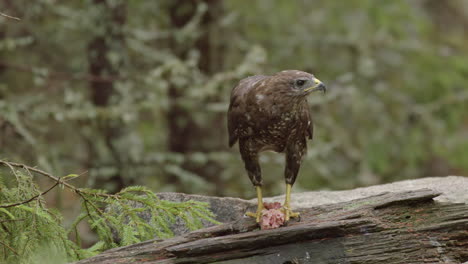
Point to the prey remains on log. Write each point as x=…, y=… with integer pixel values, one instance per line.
x=271, y=113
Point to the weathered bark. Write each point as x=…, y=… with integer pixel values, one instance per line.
x=406, y=227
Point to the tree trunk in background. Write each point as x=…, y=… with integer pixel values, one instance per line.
x=3, y=124
x=185, y=134
x=446, y=16
x=102, y=92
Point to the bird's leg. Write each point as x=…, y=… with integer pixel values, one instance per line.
x=249, y=154
x=260, y=207
x=294, y=152
x=288, y=213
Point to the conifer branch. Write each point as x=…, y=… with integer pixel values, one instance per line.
x=30, y=199
x=12, y=220
x=130, y=216
x=50, y=176
x=10, y=248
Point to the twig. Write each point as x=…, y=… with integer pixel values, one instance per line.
x=12, y=220
x=83, y=173
x=12, y=170
x=18, y=165
x=80, y=192
x=29, y=173
x=7, y=16
x=30, y=199
x=86, y=207
x=57, y=179
x=12, y=250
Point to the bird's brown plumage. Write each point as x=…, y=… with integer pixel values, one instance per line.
x=271, y=113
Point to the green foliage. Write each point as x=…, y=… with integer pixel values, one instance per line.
x=30, y=232
x=397, y=106
x=136, y=214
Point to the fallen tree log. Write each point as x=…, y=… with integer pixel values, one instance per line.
x=405, y=227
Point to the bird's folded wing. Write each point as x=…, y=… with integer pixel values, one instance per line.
x=237, y=106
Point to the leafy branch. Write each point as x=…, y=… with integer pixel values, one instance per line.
x=130, y=216
x=30, y=199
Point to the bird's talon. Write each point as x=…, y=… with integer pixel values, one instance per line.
x=250, y=214
x=257, y=215
x=288, y=213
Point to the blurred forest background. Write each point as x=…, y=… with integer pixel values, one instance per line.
x=136, y=92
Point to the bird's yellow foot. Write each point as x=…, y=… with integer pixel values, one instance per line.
x=260, y=207
x=257, y=215
x=288, y=213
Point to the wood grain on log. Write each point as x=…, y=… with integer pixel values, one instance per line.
x=406, y=227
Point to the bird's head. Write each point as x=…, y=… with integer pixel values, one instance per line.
x=300, y=83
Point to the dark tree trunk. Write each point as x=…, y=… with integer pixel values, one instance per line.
x=5, y=128
x=102, y=92
x=404, y=228
x=448, y=19
x=3, y=123
x=447, y=16
x=185, y=134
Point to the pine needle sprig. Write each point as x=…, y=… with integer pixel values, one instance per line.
x=32, y=232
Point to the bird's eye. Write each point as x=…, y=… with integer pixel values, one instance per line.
x=300, y=82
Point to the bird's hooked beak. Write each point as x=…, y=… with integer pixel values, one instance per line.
x=318, y=86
